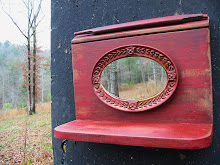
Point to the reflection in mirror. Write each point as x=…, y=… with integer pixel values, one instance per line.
x=134, y=78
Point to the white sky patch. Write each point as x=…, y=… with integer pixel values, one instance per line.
x=16, y=8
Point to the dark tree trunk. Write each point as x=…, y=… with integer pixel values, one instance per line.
x=113, y=79
x=30, y=110
x=108, y=75
x=34, y=68
x=143, y=74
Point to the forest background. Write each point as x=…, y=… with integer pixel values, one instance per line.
x=24, y=138
x=22, y=19
x=13, y=92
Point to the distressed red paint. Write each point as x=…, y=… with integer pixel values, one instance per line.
x=135, y=51
x=184, y=121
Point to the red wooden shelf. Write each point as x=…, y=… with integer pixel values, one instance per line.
x=162, y=135
x=182, y=121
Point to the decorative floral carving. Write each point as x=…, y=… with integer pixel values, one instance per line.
x=171, y=75
x=130, y=50
x=130, y=105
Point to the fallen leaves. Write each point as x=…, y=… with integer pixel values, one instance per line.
x=38, y=139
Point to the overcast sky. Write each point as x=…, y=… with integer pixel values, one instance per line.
x=16, y=8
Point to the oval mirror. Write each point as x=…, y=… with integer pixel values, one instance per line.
x=134, y=78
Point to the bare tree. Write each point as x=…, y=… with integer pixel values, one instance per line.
x=30, y=32
x=34, y=28
x=162, y=78
x=113, y=79
x=143, y=70
x=154, y=74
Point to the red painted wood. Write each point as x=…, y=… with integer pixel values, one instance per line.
x=135, y=51
x=186, y=116
x=128, y=33
x=180, y=136
x=178, y=19
x=192, y=100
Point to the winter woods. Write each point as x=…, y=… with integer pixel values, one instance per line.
x=32, y=65
x=14, y=76
x=134, y=78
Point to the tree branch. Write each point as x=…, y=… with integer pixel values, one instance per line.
x=14, y=23
x=37, y=13
x=40, y=20
x=29, y=17
x=25, y=3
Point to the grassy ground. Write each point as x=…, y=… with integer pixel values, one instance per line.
x=141, y=90
x=26, y=139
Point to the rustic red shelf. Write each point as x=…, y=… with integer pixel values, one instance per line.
x=180, y=116
x=162, y=135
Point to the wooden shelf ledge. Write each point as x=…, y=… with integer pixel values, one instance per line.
x=160, y=135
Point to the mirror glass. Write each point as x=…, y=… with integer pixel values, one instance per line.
x=134, y=78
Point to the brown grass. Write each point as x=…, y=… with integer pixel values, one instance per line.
x=139, y=91
x=12, y=113
x=16, y=128
x=46, y=107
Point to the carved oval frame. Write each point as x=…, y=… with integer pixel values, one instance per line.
x=135, y=51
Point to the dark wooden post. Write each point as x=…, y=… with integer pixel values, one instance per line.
x=71, y=16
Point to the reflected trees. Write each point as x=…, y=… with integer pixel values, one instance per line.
x=134, y=78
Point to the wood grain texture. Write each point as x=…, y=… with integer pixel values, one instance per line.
x=179, y=136
x=147, y=23
x=186, y=117
x=192, y=100
x=135, y=105
x=129, y=33
x=69, y=17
